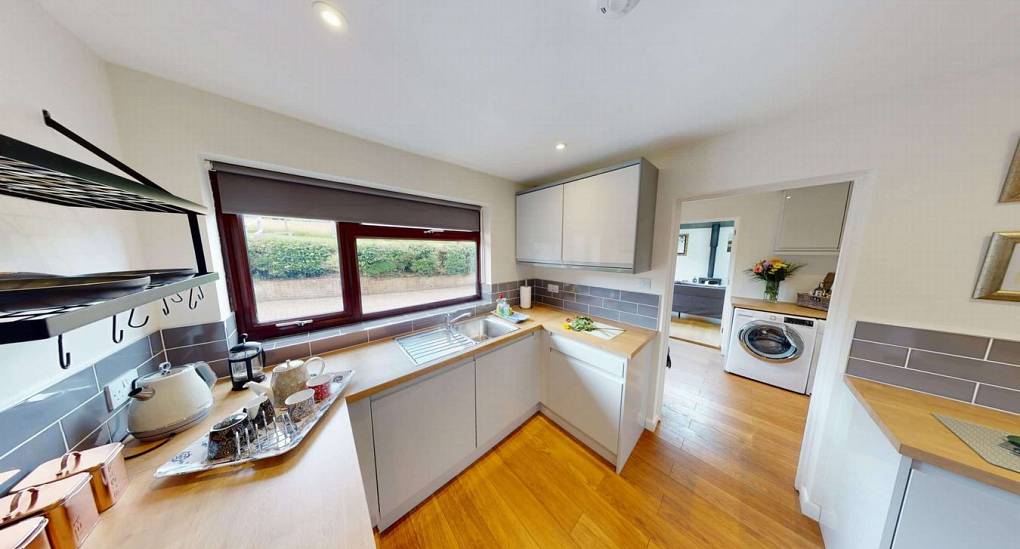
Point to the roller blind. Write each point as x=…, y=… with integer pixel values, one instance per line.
x=245, y=190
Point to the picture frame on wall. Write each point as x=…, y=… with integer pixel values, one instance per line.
x=1000, y=274
x=681, y=244
x=1011, y=187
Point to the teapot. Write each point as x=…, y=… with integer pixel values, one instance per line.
x=290, y=377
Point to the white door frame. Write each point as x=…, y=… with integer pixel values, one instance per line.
x=836, y=343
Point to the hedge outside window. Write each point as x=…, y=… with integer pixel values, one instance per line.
x=290, y=275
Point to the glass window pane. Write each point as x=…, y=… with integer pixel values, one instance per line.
x=398, y=273
x=295, y=267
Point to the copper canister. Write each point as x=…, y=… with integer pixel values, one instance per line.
x=27, y=534
x=104, y=463
x=67, y=504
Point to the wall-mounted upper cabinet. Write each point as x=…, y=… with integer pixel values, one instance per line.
x=811, y=221
x=540, y=225
x=602, y=220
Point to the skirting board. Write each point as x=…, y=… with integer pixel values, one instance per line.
x=809, y=508
x=423, y=494
x=576, y=433
x=652, y=423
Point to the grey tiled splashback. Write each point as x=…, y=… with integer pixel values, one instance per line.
x=72, y=414
x=970, y=368
x=635, y=308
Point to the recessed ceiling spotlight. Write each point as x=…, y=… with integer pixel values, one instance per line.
x=329, y=14
x=561, y=146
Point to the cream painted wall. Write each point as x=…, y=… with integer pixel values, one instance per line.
x=695, y=263
x=47, y=67
x=933, y=158
x=757, y=217
x=167, y=129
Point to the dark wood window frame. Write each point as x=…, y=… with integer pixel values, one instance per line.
x=242, y=294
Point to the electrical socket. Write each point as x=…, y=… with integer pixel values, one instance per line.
x=117, y=391
x=553, y=288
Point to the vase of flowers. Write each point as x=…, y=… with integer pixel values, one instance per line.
x=772, y=271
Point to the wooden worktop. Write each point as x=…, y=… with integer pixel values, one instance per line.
x=310, y=497
x=382, y=364
x=906, y=419
x=780, y=307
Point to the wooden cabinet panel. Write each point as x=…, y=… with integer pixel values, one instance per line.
x=508, y=381
x=421, y=432
x=540, y=225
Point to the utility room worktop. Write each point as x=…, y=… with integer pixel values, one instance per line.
x=905, y=417
x=780, y=307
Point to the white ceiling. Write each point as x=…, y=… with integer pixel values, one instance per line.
x=494, y=85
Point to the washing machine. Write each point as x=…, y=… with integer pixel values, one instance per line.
x=774, y=348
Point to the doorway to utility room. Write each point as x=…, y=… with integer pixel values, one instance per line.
x=703, y=272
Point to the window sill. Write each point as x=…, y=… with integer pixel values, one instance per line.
x=333, y=339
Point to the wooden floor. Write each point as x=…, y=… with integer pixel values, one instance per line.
x=718, y=472
x=695, y=330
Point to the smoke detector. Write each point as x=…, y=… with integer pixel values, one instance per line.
x=615, y=9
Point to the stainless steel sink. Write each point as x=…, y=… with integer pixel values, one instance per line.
x=440, y=342
x=481, y=329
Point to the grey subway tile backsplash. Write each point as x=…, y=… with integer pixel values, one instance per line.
x=607, y=314
x=332, y=343
x=994, y=373
x=999, y=398
x=576, y=307
x=642, y=321
x=193, y=335
x=879, y=352
x=48, y=444
x=118, y=425
x=98, y=437
x=552, y=301
x=283, y=353
x=589, y=300
x=637, y=308
x=621, y=306
x=604, y=292
x=948, y=387
x=389, y=330
x=648, y=310
x=126, y=358
x=205, y=352
x=220, y=367
x=27, y=418
x=78, y=424
x=156, y=341
x=941, y=363
x=638, y=297
x=931, y=340
x=1005, y=351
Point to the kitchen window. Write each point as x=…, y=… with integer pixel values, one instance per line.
x=290, y=273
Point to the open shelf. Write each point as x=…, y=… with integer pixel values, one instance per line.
x=26, y=171
x=31, y=325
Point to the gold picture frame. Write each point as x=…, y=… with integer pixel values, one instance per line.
x=1000, y=274
x=1011, y=188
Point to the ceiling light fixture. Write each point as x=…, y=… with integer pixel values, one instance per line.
x=329, y=15
x=561, y=146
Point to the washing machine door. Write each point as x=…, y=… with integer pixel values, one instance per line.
x=771, y=342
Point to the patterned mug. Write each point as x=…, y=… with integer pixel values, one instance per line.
x=320, y=386
x=301, y=404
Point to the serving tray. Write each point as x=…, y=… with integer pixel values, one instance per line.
x=278, y=438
